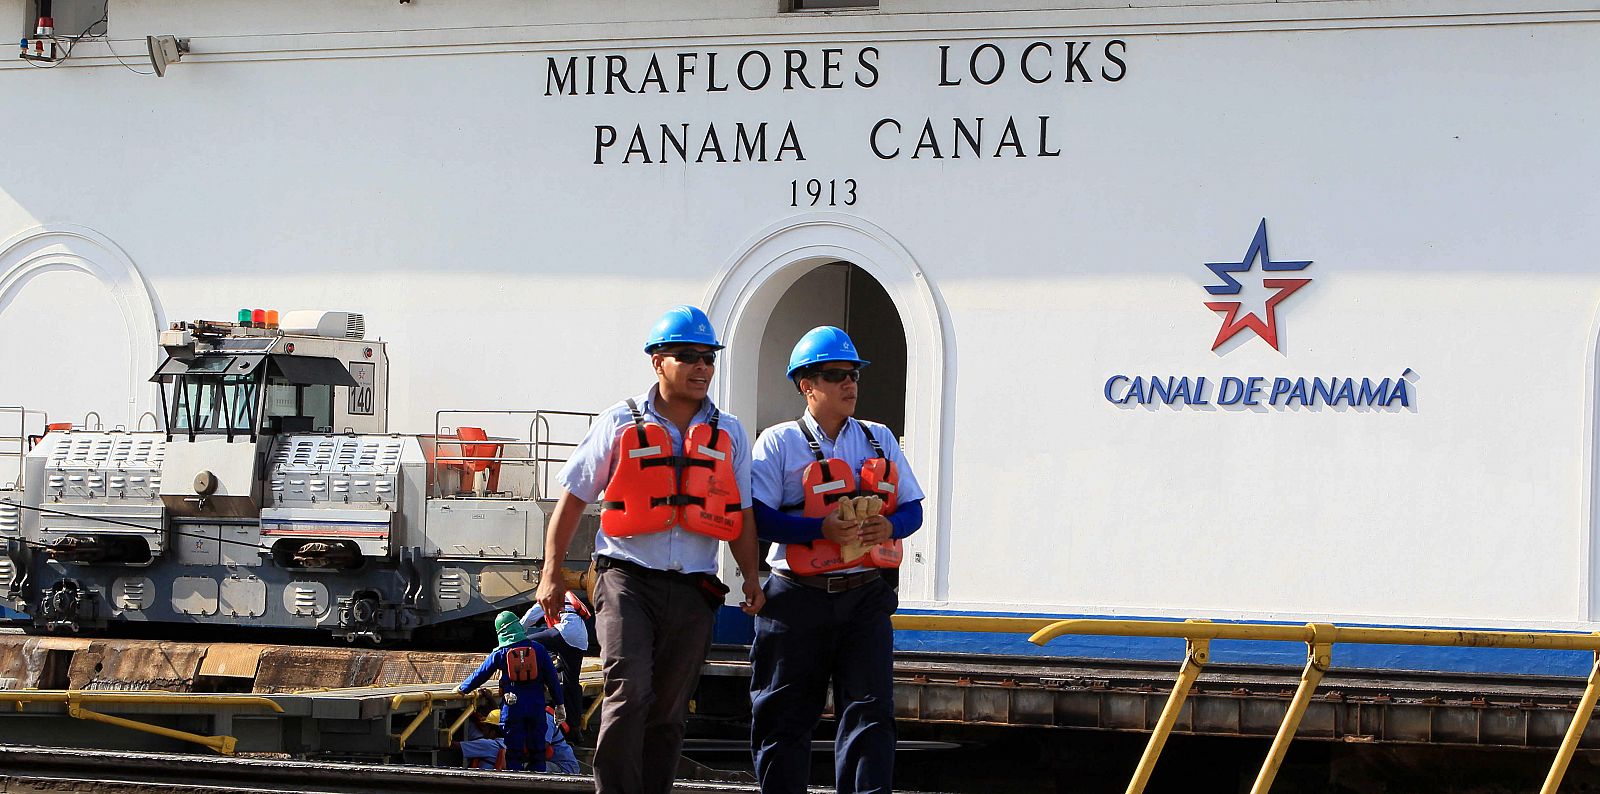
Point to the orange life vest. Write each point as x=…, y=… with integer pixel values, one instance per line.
x=652, y=489
x=522, y=665
x=827, y=480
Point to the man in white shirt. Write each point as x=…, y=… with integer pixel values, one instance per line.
x=668, y=502
x=827, y=616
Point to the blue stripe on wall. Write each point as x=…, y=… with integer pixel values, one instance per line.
x=734, y=627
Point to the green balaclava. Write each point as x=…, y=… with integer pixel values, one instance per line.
x=509, y=628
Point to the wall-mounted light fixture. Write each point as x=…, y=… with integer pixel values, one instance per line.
x=165, y=50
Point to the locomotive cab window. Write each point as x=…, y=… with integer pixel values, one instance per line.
x=214, y=403
x=238, y=395
x=294, y=407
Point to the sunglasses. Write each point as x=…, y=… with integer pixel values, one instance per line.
x=837, y=375
x=692, y=357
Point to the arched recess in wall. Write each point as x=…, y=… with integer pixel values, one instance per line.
x=749, y=287
x=44, y=249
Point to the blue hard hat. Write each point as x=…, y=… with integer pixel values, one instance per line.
x=821, y=345
x=684, y=325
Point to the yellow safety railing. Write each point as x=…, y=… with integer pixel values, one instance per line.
x=76, y=699
x=427, y=699
x=1319, y=639
x=471, y=705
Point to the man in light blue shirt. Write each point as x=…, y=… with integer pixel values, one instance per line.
x=657, y=593
x=833, y=624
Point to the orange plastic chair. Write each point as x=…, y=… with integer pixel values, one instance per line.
x=470, y=468
x=48, y=429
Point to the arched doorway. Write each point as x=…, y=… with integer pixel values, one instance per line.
x=769, y=294
x=845, y=296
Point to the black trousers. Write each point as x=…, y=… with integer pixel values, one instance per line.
x=571, y=669
x=655, y=630
x=807, y=638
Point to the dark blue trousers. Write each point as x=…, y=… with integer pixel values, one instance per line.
x=524, y=730
x=807, y=638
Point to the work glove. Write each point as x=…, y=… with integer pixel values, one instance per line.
x=511, y=698
x=847, y=508
x=561, y=713
x=868, y=506
x=849, y=511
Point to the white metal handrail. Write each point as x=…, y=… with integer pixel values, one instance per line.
x=540, y=447
x=21, y=439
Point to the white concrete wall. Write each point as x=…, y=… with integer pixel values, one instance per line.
x=1436, y=161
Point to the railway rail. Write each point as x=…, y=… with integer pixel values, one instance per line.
x=27, y=770
x=946, y=693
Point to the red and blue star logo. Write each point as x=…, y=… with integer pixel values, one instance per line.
x=1233, y=321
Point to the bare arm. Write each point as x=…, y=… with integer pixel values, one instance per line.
x=557, y=539
x=747, y=555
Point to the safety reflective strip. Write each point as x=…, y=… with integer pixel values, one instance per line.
x=643, y=452
x=886, y=487
x=828, y=487
x=713, y=454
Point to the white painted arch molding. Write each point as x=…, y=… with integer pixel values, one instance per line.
x=67, y=247
x=748, y=287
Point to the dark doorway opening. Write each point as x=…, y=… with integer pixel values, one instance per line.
x=842, y=295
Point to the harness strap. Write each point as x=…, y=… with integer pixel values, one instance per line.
x=876, y=447
x=716, y=416
x=638, y=420
x=811, y=440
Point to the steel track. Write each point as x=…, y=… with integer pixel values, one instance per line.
x=39, y=769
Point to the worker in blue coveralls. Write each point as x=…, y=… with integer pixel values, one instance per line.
x=525, y=673
x=672, y=475
x=828, y=602
x=560, y=756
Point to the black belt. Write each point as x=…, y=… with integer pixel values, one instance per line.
x=602, y=562
x=833, y=583
x=709, y=586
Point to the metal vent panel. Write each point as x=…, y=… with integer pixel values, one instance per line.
x=357, y=470
x=133, y=593
x=452, y=590
x=10, y=521
x=306, y=599
x=108, y=451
